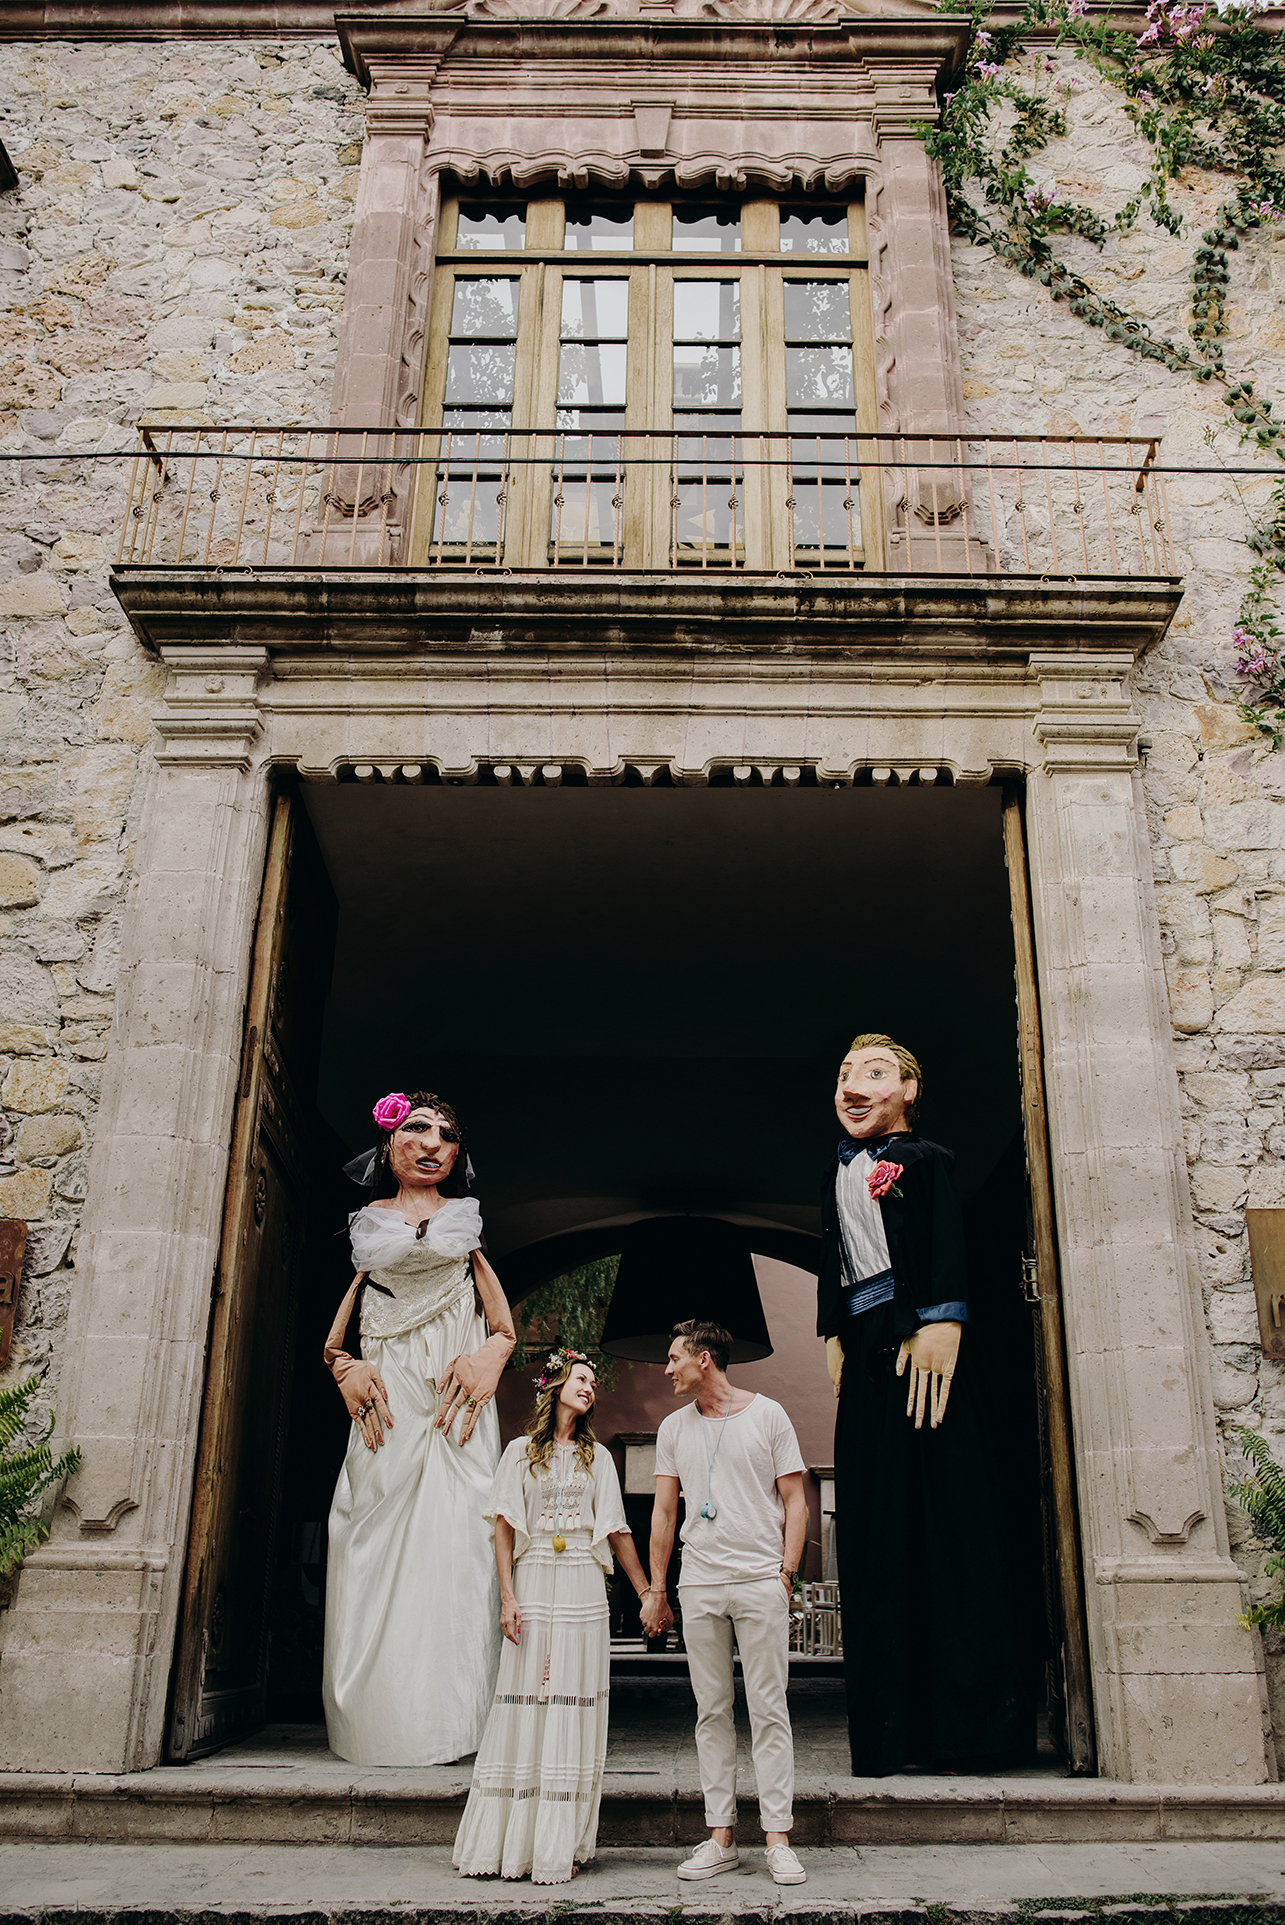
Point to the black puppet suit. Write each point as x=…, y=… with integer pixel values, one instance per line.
x=930, y=1653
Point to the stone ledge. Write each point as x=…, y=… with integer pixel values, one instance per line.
x=944, y=618
x=529, y=1905
x=206, y=1804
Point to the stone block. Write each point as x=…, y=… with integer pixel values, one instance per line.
x=19, y=882
x=1191, y=998
x=47, y=1136
x=34, y=1085
x=27, y=993
x=25, y=1194
x=1223, y=727
x=28, y=595
x=22, y=1039
x=1259, y=1006
x=1194, y=863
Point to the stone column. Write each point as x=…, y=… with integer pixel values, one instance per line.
x=380, y=367
x=917, y=365
x=88, y=1650
x=1178, y=1692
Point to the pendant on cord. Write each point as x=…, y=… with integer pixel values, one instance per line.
x=710, y=1511
x=559, y=1541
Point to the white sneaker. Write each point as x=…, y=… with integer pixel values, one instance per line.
x=709, y=1859
x=784, y=1866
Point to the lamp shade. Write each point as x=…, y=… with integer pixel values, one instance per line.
x=674, y=1268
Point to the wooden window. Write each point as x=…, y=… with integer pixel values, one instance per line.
x=649, y=384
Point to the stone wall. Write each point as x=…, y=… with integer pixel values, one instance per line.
x=1214, y=786
x=176, y=251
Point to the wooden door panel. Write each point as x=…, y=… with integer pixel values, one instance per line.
x=221, y=1666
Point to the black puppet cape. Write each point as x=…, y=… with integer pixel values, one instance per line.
x=924, y=1228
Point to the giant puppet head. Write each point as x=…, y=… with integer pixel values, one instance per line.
x=878, y=1088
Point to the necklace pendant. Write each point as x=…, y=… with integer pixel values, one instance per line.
x=710, y=1511
x=559, y=1542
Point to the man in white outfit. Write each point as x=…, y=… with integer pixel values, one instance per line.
x=736, y=1458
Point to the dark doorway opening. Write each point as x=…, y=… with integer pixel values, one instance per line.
x=637, y=999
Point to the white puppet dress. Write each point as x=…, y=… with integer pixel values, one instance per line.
x=412, y=1595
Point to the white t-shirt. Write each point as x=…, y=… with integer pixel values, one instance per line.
x=745, y=1539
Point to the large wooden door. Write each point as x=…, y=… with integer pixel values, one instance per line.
x=221, y=1667
x=1070, y=1686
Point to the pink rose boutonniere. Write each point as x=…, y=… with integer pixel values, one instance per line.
x=882, y=1180
x=391, y=1111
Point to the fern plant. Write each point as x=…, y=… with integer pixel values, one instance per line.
x=26, y=1469
x=1262, y=1496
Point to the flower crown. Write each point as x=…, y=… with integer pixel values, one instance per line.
x=557, y=1364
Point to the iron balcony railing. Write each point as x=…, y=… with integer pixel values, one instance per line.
x=567, y=497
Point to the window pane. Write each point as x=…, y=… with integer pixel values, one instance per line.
x=706, y=230
x=818, y=375
x=468, y=437
x=818, y=311
x=814, y=230
x=493, y=224
x=480, y=371
x=591, y=373
x=593, y=230
x=603, y=423
x=485, y=309
x=707, y=310
x=706, y=377
x=595, y=310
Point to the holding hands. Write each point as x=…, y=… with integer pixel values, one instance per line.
x=655, y=1613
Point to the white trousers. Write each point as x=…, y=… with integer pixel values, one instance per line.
x=759, y=1612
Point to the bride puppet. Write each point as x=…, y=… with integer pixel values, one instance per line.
x=412, y=1600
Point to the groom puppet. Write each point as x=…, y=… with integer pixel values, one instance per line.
x=928, y=1635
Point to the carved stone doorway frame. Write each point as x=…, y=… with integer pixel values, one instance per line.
x=1178, y=1688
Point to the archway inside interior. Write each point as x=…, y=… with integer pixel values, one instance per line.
x=637, y=998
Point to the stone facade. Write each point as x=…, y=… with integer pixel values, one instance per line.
x=178, y=250
x=1214, y=785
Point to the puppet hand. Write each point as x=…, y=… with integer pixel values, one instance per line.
x=834, y=1361
x=469, y=1383
x=366, y=1400
x=931, y=1353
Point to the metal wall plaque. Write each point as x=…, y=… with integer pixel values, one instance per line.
x=13, y=1247
x=1267, y=1258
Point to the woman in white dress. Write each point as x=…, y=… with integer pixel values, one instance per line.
x=412, y=1642
x=558, y=1517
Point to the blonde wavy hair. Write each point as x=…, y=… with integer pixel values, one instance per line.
x=906, y=1063
x=544, y=1417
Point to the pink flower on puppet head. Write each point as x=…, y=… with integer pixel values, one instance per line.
x=882, y=1180
x=391, y=1111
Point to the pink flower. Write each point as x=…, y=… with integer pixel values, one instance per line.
x=882, y=1180
x=391, y=1111
x=987, y=69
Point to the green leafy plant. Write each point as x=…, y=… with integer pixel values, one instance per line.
x=26, y=1469
x=1262, y=1497
x=570, y=1310
x=1206, y=89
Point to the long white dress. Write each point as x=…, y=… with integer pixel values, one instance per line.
x=412, y=1596
x=537, y=1782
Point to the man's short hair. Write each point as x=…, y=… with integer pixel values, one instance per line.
x=698, y=1336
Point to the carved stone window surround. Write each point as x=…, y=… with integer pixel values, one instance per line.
x=829, y=106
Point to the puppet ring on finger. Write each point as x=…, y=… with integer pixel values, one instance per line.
x=470, y=1403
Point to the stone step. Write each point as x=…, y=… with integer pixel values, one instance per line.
x=337, y=1804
